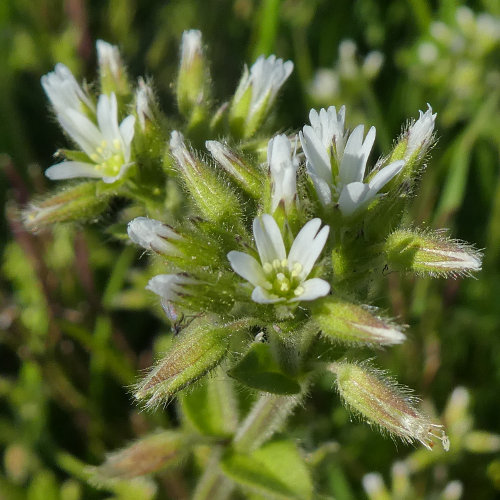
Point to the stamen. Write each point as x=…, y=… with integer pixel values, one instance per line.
x=267, y=267
x=298, y=291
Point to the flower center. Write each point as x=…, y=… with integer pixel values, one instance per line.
x=283, y=280
x=108, y=158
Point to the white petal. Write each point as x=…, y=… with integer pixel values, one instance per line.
x=127, y=134
x=81, y=130
x=313, y=289
x=71, y=170
x=268, y=239
x=356, y=152
x=352, y=197
x=247, y=267
x=261, y=296
x=381, y=178
x=107, y=117
x=316, y=154
x=307, y=246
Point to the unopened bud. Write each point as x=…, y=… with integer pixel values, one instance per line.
x=153, y=235
x=145, y=456
x=199, y=348
x=256, y=94
x=145, y=105
x=213, y=197
x=431, y=253
x=383, y=403
x=83, y=201
x=112, y=73
x=192, y=81
x=246, y=175
x=344, y=321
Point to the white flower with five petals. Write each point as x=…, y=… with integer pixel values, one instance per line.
x=278, y=277
x=106, y=144
x=336, y=161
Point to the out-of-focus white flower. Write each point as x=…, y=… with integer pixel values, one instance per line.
x=283, y=165
x=278, y=278
x=64, y=92
x=107, y=145
x=337, y=166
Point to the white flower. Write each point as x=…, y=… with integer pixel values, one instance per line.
x=283, y=165
x=108, y=58
x=266, y=78
x=420, y=133
x=337, y=166
x=256, y=93
x=278, y=278
x=107, y=145
x=64, y=92
x=153, y=235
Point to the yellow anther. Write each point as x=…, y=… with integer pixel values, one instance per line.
x=280, y=277
x=116, y=144
x=285, y=286
x=284, y=263
x=276, y=263
x=99, y=150
x=104, y=144
x=94, y=157
x=296, y=269
x=298, y=291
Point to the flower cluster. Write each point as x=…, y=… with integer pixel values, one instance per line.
x=288, y=242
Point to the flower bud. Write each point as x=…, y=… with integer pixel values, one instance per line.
x=256, y=94
x=82, y=201
x=192, y=88
x=145, y=456
x=145, y=105
x=412, y=146
x=381, y=402
x=213, y=197
x=188, y=251
x=430, y=253
x=347, y=322
x=112, y=73
x=199, y=348
x=248, y=177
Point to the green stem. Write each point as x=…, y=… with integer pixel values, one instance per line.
x=266, y=417
x=213, y=484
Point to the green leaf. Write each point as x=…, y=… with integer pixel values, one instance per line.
x=259, y=370
x=211, y=406
x=276, y=471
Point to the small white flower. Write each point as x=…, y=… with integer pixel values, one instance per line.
x=107, y=145
x=337, y=166
x=108, y=58
x=257, y=91
x=283, y=165
x=278, y=278
x=420, y=133
x=64, y=92
x=153, y=235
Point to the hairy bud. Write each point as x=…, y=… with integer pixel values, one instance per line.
x=347, y=322
x=199, y=348
x=112, y=72
x=383, y=403
x=431, y=253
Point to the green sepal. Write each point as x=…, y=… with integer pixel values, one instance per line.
x=199, y=348
x=259, y=370
x=275, y=471
x=211, y=406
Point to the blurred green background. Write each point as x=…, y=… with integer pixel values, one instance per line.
x=75, y=328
